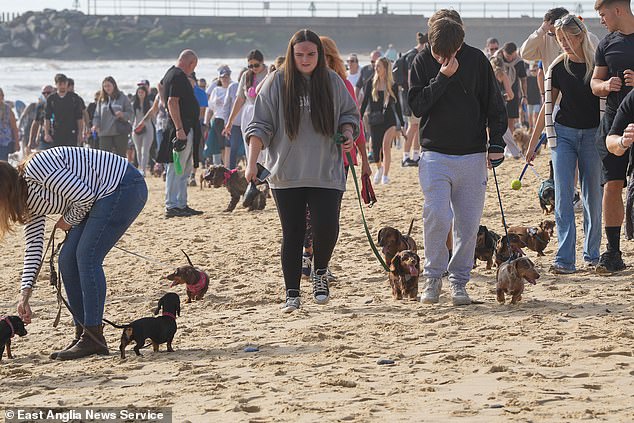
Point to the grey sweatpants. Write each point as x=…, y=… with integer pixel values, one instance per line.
x=454, y=188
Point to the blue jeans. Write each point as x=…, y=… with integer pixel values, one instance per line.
x=577, y=146
x=176, y=185
x=237, y=145
x=81, y=258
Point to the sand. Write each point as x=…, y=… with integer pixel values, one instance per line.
x=564, y=354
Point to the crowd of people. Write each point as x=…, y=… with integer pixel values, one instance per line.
x=300, y=116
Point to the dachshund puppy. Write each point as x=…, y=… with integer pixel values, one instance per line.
x=9, y=327
x=485, y=246
x=535, y=238
x=159, y=329
x=502, y=252
x=196, y=281
x=393, y=241
x=511, y=276
x=404, y=271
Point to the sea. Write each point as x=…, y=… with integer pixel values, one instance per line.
x=23, y=78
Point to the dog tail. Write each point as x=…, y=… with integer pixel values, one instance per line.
x=411, y=225
x=188, y=259
x=115, y=325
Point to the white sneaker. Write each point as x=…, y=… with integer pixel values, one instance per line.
x=431, y=291
x=377, y=175
x=321, y=294
x=459, y=295
x=385, y=180
x=292, y=304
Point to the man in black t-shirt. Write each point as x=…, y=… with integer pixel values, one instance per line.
x=183, y=127
x=63, y=116
x=367, y=73
x=517, y=75
x=613, y=77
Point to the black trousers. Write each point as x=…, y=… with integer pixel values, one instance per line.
x=324, y=205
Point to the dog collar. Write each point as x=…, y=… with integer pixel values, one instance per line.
x=198, y=286
x=6, y=319
x=165, y=313
x=228, y=174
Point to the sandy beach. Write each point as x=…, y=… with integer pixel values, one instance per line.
x=564, y=354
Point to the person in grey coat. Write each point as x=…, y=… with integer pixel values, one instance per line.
x=112, y=105
x=299, y=112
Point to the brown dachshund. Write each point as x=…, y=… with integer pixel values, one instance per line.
x=485, y=246
x=393, y=241
x=234, y=180
x=511, y=276
x=404, y=271
x=535, y=238
x=502, y=252
x=196, y=281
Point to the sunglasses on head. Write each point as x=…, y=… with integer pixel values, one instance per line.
x=565, y=21
x=254, y=65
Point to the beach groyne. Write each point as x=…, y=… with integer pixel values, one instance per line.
x=73, y=35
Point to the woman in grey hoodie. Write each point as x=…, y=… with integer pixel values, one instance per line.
x=297, y=114
x=112, y=105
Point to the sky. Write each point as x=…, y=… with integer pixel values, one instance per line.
x=496, y=8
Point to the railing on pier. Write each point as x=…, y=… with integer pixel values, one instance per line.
x=331, y=8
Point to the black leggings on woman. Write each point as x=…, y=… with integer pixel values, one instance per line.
x=324, y=207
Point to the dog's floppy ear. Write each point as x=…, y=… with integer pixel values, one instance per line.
x=380, y=238
x=159, y=307
x=395, y=266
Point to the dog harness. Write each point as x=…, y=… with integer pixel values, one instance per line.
x=198, y=286
x=165, y=313
x=6, y=319
x=228, y=174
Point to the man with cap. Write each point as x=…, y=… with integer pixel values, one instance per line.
x=36, y=134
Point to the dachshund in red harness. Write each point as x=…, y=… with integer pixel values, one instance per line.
x=196, y=281
x=233, y=180
x=159, y=329
x=9, y=327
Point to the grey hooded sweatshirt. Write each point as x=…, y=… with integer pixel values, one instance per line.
x=311, y=160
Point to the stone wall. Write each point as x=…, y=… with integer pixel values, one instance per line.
x=72, y=35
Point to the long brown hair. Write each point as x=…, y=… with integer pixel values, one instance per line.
x=13, y=196
x=103, y=96
x=333, y=58
x=253, y=55
x=318, y=89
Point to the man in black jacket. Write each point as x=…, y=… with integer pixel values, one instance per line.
x=454, y=92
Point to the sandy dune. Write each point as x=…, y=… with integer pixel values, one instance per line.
x=564, y=354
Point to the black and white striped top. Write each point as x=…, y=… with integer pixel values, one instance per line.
x=66, y=181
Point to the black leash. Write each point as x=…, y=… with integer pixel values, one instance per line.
x=508, y=241
x=365, y=223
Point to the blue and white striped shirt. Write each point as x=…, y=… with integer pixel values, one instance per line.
x=66, y=181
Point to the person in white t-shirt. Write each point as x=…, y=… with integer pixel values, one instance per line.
x=353, y=69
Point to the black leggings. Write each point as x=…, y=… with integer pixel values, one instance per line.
x=324, y=207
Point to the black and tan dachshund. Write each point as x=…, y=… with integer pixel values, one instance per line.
x=9, y=327
x=159, y=329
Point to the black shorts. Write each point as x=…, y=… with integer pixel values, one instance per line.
x=614, y=167
x=513, y=108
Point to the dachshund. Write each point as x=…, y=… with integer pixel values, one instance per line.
x=393, y=241
x=196, y=281
x=546, y=193
x=535, y=238
x=233, y=180
x=502, y=252
x=511, y=276
x=9, y=327
x=159, y=329
x=404, y=272
x=485, y=246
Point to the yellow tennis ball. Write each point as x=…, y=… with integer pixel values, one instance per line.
x=516, y=184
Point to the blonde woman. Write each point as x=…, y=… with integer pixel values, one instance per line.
x=385, y=109
x=571, y=138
